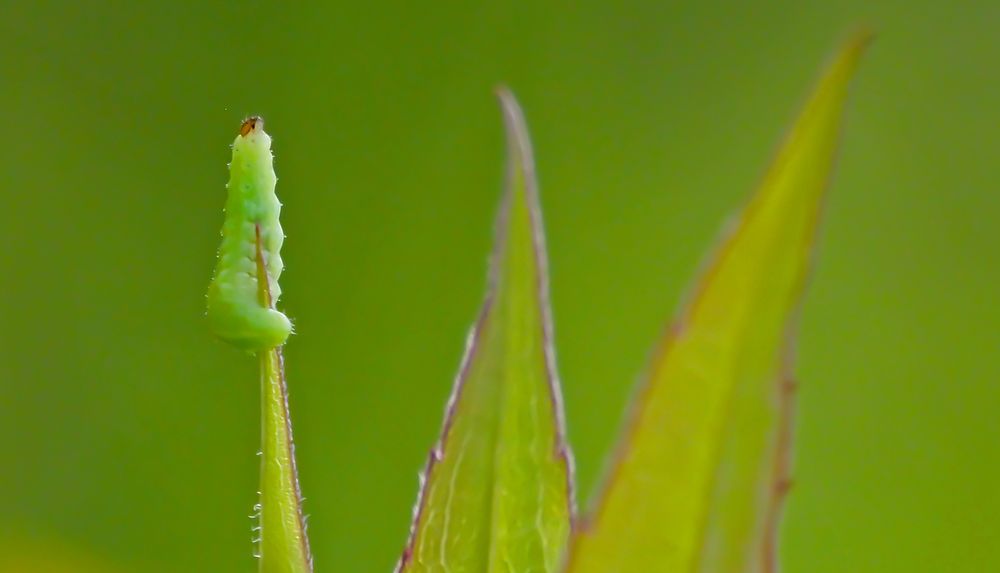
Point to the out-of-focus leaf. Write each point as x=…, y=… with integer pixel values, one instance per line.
x=701, y=469
x=19, y=555
x=497, y=492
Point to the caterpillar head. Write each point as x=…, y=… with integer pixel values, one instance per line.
x=252, y=137
x=251, y=124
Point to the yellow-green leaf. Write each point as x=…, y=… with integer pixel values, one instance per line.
x=283, y=546
x=699, y=473
x=497, y=490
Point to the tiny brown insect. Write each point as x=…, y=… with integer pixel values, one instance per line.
x=251, y=123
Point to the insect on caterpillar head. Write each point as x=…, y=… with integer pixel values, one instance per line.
x=244, y=287
x=251, y=123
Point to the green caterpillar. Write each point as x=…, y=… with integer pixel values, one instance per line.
x=240, y=305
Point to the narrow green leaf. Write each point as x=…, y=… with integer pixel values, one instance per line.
x=699, y=474
x=497, y=489
x=283, y=546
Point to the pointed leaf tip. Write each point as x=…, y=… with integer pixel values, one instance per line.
x=696, y=483
x=518, y=142
x=497, y=488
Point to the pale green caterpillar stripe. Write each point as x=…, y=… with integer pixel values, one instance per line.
x=240, y=309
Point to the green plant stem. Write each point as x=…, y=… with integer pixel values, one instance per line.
x=284, y=547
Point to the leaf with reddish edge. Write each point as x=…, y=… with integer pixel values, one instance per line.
x=698, y=478
x=497, y=490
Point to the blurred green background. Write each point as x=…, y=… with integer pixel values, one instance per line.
x=129, y=434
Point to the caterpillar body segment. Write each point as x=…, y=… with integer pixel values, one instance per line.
x=244, y=287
